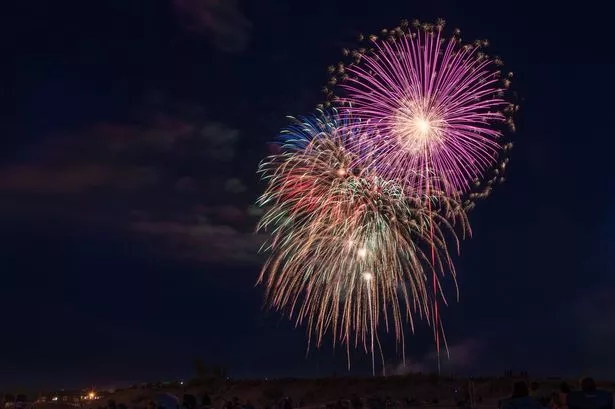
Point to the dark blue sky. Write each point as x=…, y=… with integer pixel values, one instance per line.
x=131, y=137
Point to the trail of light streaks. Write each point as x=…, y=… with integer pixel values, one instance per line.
x=437, y=108
x=350, y=250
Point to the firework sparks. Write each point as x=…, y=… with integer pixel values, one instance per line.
x=361, y=206
x=437, y=107
x=349, y=250
x=437, y=110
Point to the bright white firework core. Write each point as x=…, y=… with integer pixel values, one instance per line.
x=417, y=128
x=367, y=276
x=423, y=126
x=362, y=252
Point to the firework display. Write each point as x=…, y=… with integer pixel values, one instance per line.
x=348, y=249
x=438, y=107
x=368, y=198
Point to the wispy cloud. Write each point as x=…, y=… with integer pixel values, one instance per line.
x=167, y=181
x=75, y=178
x=462, y=357
x=202, y=241
x=226, y=27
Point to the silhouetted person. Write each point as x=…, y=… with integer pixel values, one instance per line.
x=287, y=404
x=206, y=400
x=589, y=397
x=188, y=401
x=539, y=394
x=520, y=398
x=520, y=390
x=562, y=395
x=355, y=401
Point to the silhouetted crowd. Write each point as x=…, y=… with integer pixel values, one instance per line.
x=587, y=397
x=523, y=396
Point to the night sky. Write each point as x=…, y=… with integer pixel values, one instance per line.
x=132, y=131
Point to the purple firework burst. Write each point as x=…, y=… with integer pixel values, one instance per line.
x=438, y=107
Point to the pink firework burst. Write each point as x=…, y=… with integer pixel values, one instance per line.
x=438, y=107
